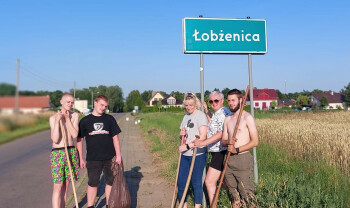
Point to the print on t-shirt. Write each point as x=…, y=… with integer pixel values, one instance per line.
x=98, y=126
x=98, y=129
x=189, y=124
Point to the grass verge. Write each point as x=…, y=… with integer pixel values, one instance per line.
x=42, y=123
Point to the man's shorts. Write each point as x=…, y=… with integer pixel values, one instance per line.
x=94, y=169
x=217, y=160
x=59, y=164
x=238, y=176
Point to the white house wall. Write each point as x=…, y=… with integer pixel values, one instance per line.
x=81, y=105
x=260, y=104
x=158, y=96
x=9, y=111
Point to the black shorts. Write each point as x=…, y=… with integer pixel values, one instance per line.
x=94, y=169
x=217, y=160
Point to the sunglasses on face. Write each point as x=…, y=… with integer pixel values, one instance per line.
x=212, y=101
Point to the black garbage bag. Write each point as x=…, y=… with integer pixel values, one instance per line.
x=120, y=195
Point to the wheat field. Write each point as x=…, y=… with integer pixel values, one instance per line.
x=322, y=136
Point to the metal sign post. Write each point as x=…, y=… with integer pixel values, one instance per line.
x=255, y=163
x=202, y=77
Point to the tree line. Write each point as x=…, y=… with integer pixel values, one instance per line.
x=114, y=93
x=135, y=98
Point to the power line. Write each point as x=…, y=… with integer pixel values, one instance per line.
x=42, y=80
x=24, y=69
x=41, y=74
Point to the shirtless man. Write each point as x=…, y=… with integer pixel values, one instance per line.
x=59, y=165
x=238, y=175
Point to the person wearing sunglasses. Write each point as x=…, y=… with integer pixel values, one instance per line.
x=213, y=141
x=194, y=123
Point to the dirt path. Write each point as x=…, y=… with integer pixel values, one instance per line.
x=146, y=187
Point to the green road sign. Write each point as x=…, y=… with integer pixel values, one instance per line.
x=214, y=35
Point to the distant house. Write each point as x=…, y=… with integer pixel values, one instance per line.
x=81, y=105
x=263, y=98
x=335, y=100
x=156, y=96
x=166, y=101
x=171, y=101
x=287, y=103
x=26, y=104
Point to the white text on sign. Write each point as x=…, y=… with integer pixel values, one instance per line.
x=221, y=36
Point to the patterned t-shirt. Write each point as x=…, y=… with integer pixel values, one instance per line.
x=216, y=124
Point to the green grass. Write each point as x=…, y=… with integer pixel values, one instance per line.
x=161, y=131
x=284, y=181
x=17, y=132
x=42, y=124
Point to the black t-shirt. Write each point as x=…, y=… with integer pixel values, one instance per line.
x=98, y=132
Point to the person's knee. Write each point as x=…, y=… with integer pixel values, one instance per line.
x=210, y=181
x=57, y=188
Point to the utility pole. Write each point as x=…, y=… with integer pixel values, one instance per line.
x=285, y=87
x=201, y=69
x=74, y=95
x=92, y=99
x=16, y=110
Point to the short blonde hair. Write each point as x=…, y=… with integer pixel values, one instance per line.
x=191, y=96
x=67, y=95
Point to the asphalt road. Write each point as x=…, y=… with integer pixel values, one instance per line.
x=25, y=178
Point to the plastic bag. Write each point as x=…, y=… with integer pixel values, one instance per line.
x=120, y=196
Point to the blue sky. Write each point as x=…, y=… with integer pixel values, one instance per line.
x=138, y=45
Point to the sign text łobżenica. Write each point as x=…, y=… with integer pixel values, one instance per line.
x=221, y=36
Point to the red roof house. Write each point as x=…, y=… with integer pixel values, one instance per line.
x=263, y=98
x=335, y=100
x=26, y=104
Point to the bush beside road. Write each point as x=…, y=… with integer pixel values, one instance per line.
x=17, y=126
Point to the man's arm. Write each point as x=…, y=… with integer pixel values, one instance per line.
x=206, y=110
x=80, y=151
x=116, y=143
x=55, y=128
x=72, y=124
x=224, y=140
